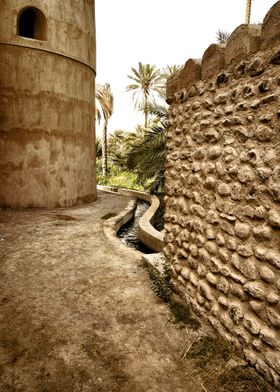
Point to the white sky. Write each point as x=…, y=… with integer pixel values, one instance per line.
x=158, y=32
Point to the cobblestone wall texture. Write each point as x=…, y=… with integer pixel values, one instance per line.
x=222, y=198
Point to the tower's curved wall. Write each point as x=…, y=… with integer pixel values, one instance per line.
x=47, y=135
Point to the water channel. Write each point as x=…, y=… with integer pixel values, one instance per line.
x=129, y=232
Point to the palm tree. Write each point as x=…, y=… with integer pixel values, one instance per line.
x=248, y=11
x=146, y=82
x=147, y=155
x=165, y=74
x=105, y=99
x=222, y=37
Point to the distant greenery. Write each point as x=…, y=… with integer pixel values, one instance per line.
x=136, y=159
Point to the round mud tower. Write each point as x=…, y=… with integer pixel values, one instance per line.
x=47, y=85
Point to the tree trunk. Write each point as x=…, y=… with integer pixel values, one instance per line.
x=248, y=11
x=104, y=150
x=146, y=111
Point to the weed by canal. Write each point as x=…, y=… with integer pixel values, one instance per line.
x=109, y=215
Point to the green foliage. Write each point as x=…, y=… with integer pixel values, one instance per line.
x=117, y=177
x=243, y=379
x=147, y=155
x=161, y=283
x=209, y=349
x=146, y=84
x=183, y=314
x=109, y=215
x=222, y=37
x=104, y=105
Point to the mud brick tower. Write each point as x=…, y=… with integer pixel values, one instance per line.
x=47, y=82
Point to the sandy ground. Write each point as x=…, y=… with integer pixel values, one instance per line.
x=77, y=312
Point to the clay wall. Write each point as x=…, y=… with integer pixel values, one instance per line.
x=47, y=94
x=222, y=217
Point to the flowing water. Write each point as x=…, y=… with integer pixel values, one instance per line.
x=129, y=232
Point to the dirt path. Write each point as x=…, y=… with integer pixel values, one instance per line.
x=77, y=313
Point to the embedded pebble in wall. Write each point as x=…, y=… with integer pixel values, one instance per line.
x=200, y=240
x=221, y=99
x=267, y=274
x=210, y=183
x=177, y=267
x=236, y=191
x=264, y=134
x=257, y=344
x=236, y=312
x=223, y=285
x=250, y=356
x=255, y=289
x=199, y=153
x=237, y=290
x=185, y=272
x=212, y=279
x=225, y=270
x=242, y=230
x=269, y=336
x=245, y=250
x=200, y=299
x=211, y=247
x=205, y=290
x=224, y=189
x=264, y=172
x=249, y=270
x=193, y=279
x=214, y=152
x=202, y=270
x=231, y=243
x=258, y=307
x=226, y=321
x=212, y=217
x=274, y=317
x=215, y=310
x=262, y=233
x=198, y=210
x=273, y=298
x=220, y=239
x=256, y=67
x=274, y=218
x=210, y=233
x=252, y=324
x=243, y=335
x=224, y=255
x=227, y=227
x=245, y=174
x=223, y=301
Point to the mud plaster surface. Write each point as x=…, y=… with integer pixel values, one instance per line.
x=77, y=313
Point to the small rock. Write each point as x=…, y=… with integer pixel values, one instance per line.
x=214, y=152
x=264, y=134
x=262, y=233
x=274, y=218
x=267, y=274
x=251, y=324
x=255, y=289
x=212, y=279
x=223, y=285
x=273, y=298
x=273, y=316
x=245, y=250
x=242, y=230
x=224, y=189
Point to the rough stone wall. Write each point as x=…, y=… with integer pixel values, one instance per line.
x=222, y=217
x=47, y=95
